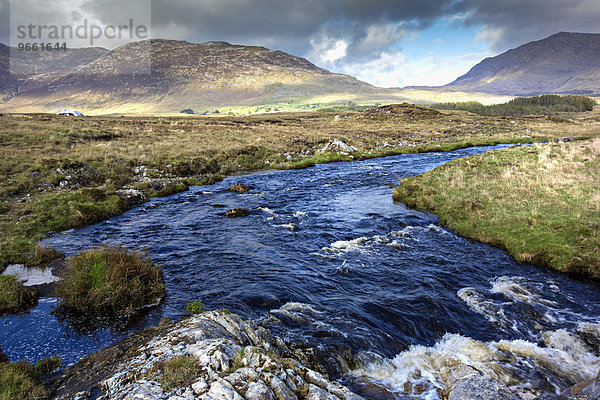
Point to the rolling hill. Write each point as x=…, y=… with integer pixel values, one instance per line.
x=167, y=76
x=564, y=63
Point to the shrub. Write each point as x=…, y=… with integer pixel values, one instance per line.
x=14, y=296
x=194, y=307
x=109, y=280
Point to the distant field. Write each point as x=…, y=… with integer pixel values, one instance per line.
x=62, y=172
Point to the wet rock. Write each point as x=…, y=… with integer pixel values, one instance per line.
x=239, y=188
x=237, y=212
x=467, y=383
x=131, y=197
x=586, y=390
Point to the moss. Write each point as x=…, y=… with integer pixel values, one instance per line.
x=15, y=297
x=194, y=307
x=170, y=189
x=109, y=280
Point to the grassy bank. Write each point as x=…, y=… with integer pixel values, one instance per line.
x=64, y=173
x=541, y=202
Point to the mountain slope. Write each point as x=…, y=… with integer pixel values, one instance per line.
x=562, y=63
x=167, y=76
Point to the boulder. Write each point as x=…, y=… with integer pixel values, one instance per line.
x=131, y=197
x=337, y=145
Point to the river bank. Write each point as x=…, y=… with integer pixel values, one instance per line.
x=540, y=203
x=65, y=173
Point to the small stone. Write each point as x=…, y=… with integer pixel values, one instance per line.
x=200, y=387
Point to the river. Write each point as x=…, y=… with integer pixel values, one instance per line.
x=327, y=259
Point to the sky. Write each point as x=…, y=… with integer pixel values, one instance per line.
x=389, y=43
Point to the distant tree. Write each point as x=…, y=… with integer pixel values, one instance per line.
x=187, y=111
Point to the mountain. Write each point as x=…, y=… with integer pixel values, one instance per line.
x=167, y=76
x=562, y=63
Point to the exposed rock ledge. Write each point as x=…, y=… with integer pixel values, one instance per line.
x=238, y=360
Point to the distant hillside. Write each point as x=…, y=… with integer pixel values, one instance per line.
x=564, y=63
x=183, y=75
x=8, y=83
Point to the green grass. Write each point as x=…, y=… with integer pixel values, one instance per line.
x=14, y=296
x=109, y=281
x=19, y=381
x=177, y=372
x=194, y=307
x=541, y=203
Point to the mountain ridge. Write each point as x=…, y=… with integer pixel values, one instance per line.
x=563, y=63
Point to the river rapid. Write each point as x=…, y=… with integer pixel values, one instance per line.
x=327, y=259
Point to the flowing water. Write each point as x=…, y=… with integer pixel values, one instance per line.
x=327, y=259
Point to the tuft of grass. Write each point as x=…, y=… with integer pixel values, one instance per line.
x=194, y=307
x=48, y=365
x=223, y=311
x=179, y=371
x=15, y=297
x=20, y=381
x=42, y=256
x=109, y=280
x=541, y=203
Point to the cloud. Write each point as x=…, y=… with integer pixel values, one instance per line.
x=510, y=23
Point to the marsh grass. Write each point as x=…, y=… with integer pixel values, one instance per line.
x=14, y=296
x=109, y=281
x=541, y=203
x=62, y=173
x=19, y=381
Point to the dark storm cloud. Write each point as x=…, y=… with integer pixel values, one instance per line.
x=510, y=23
x=287, y=25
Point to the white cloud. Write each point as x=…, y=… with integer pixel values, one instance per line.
x=393, y=69
x=327, y=50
